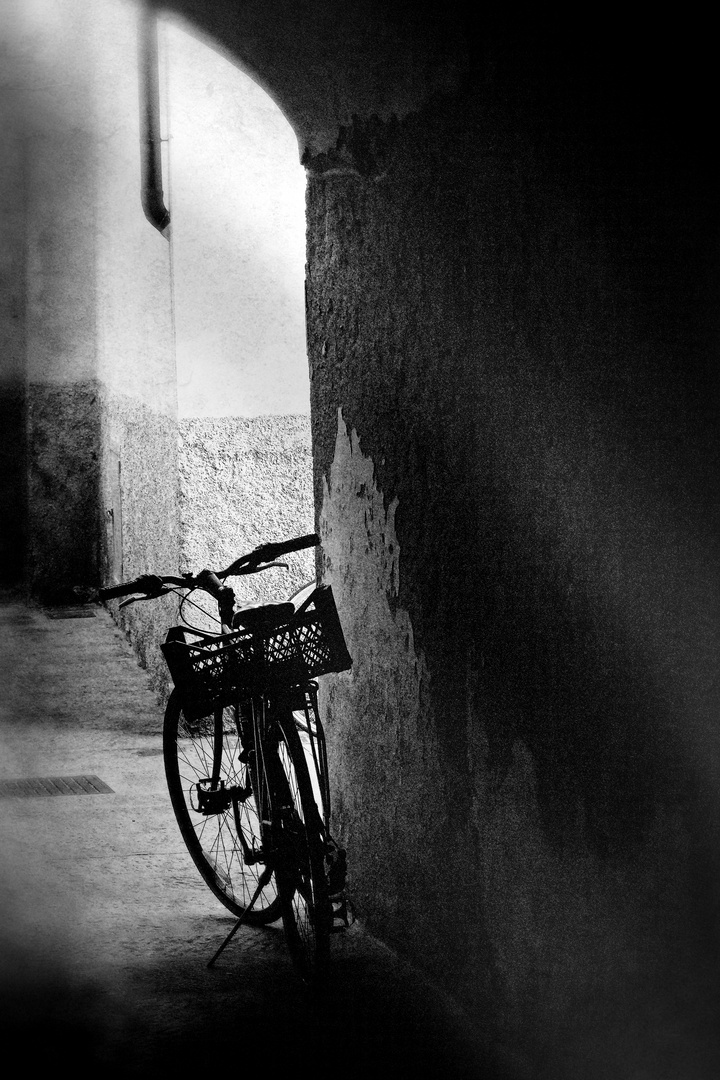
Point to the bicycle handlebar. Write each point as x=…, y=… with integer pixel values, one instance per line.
x=261, y=558
x=147, y=583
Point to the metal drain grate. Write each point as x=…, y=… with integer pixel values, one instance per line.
x=30, y=787
x=70, y=613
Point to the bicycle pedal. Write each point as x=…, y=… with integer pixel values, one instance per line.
x=342, y=914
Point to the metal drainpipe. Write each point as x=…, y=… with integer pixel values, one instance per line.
x=152, y=197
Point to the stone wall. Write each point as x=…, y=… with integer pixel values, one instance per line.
x=13, y=487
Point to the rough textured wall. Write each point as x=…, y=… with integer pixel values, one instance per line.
x=141, y=536
x=244, y=482
x=512, y=336
x=13, y=491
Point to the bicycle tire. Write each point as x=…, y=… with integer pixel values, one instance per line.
x=300, y=855
x=194, y=750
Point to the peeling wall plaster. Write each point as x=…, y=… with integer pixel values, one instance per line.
x=381, y=746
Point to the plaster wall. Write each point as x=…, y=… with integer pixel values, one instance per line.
x=93, y=315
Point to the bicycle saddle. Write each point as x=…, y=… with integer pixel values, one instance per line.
x=263, y=616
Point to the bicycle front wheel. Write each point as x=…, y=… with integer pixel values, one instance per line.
x=300, y=867
x=215, y=790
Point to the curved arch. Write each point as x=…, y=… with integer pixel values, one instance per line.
x=326, y=65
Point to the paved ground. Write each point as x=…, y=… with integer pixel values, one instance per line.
x=107, y=928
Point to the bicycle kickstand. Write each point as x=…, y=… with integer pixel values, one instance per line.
x=262, y=882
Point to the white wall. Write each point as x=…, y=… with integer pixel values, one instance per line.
x=97, y=305
x=236, y=193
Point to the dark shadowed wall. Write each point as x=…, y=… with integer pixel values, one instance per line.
x=512, y=264
x=513, y=355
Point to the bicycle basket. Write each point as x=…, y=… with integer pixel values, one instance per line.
x=211, y=672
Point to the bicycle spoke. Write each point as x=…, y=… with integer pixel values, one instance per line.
x=204, y=754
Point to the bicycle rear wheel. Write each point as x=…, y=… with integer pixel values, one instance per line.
x=215, y=798
x=300, y=857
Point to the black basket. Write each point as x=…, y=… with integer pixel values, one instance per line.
x=211, y=672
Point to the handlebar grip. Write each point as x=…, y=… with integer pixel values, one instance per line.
x=146, y=583
x=274, y=551
x=111, y=592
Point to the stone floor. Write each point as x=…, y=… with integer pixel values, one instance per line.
x=107, y=928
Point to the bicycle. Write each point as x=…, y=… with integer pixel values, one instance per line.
x=245, y=755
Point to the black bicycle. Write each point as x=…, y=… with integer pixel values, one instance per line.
x=244, y=750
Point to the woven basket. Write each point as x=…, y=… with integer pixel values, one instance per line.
x=211, y=672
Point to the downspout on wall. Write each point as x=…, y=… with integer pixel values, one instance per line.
x=151, y=194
